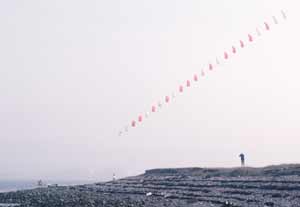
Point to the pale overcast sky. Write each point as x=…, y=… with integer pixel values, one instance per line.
x=72, y=73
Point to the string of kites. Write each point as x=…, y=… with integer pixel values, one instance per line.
x=226, y=55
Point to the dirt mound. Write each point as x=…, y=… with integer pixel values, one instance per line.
x=274, y=170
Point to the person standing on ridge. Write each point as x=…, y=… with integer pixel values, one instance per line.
x=242, y=156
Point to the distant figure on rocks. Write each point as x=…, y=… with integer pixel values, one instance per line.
x=242, y=156
x=114, y=177
x=40, y=183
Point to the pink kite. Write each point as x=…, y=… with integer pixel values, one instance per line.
x=188, y=83
x=195, y=77
x=153, y=109
x=140, y=118
x=250, y=38
x=242, y=44
x=133, y=123
x=202, y=73
x=225, y=55
x=233, y=49
x=180, y=89
x=167, y=99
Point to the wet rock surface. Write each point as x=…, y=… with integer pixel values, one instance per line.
x=191, y=187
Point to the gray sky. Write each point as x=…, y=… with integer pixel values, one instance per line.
x=73, y=73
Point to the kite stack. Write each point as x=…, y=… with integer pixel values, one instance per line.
x=227, y=55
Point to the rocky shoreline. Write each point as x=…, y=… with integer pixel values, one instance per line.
x=195, y=187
